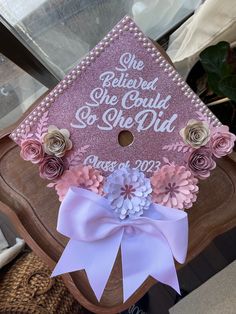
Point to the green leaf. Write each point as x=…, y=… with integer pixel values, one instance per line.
x=214, y=59
x=213, y=83
x=227, y=86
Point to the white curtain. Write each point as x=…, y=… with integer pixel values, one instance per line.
x=214, y=21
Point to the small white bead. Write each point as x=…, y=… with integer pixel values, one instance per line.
x=126, y=27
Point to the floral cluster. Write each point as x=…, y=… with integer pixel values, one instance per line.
x=48, y=151
x=129, y=191
x=207, y=143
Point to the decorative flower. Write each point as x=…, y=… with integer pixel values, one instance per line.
x=196, y=133
x=81, y=176
x=174, y=186
x=200, y=162
x=56, y=142
x=51, y=168
x=32, y=150
x=222, y=141
x=128, y=192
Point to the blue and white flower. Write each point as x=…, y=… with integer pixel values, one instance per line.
x=128, y=191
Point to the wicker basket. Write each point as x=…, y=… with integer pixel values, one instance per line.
x=27, y=288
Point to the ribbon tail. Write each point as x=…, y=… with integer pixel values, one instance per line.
x=69, y=260
x=97, y=258
x=144, y=255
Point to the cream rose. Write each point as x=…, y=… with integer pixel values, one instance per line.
x=56, y=142
x=196, y=133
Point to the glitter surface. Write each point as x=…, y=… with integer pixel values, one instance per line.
x=173, y=98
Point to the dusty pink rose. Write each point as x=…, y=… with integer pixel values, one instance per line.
x=200, y=162
x=32, y=150
x=51, y=168
x=174, y=186
x=81, y=176
x=222, y=142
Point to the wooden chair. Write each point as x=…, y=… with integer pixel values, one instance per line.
x=33, y=209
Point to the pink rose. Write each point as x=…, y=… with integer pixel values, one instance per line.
x=222, y=142
x=51, y=168
x=32, y=150
x=200, y=162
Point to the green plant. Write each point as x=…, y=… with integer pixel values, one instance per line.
x=219, y=62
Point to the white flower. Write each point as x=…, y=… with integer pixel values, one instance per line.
x=128, y=192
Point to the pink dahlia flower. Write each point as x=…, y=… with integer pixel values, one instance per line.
x=174, y=186
x=82, y=176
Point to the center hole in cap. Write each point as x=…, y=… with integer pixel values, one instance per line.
x=125, y=138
